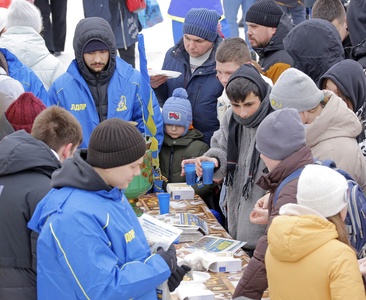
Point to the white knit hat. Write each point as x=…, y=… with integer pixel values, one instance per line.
x=322, y=189
x=24, y=13
x=295, y=89
x=10, y=90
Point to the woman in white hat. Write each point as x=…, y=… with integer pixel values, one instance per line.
x=309, y=255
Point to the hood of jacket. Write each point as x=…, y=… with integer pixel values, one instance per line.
x=291, y=238
x=94, y=28
x=358, y=53
x=349, y=77
x=356, y=19
x=314, y=45
x=185, y=140
x=335, y=121
x=19, y=152
x=77, y=173
x=276, y=43
x=5, y=126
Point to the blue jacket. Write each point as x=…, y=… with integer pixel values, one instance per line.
x=178, y=8
x=91, y=245
x=202, y=86
x=22, y=73
x=120, y=89
x=72, y=92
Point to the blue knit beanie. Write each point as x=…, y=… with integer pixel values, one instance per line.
x=177, y=110
x=202, y=22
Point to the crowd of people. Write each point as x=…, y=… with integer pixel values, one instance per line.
x=72, y=138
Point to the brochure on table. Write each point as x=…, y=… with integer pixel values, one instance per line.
x=193, y=227
x=217, y=244
x=158, y=233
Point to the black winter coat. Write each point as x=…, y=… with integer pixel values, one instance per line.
x=26, y=166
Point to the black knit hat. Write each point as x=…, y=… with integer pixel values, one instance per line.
x=264, y=12
x=114, y=143
x=95, y=45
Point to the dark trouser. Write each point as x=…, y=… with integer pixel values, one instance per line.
x=54, y=33
x=128, y=55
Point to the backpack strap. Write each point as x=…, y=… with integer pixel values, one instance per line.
x=295, y=174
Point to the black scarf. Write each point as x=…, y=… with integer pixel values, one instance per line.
x=234, y=136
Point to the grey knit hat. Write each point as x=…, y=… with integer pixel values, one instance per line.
x=280, y=134
x=264, y=12
x=114, y=143
x=295, y=89
x=202, y=22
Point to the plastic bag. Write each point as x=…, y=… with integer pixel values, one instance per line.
x=151, y=15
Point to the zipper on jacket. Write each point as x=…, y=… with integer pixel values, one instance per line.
x=171, y=157
x=122, y=26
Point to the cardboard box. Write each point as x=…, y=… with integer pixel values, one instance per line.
x=180, y=191
x=194, y=292
x=221, y=262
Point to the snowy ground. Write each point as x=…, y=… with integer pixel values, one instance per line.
x=158, y=39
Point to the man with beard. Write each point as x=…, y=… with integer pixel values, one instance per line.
x=98, y=85
x=267, y=27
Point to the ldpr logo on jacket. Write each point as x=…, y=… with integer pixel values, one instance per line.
x=122, y=104
x=129, y=236
x=78, y=107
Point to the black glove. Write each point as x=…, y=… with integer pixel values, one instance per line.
x=176, y=277
x=170, y=257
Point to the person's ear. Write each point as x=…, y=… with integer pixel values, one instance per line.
x=303, y=116
x=66, y=151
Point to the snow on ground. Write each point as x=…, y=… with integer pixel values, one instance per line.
x=158, y=39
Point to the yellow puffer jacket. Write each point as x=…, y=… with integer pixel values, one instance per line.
x=304, y=260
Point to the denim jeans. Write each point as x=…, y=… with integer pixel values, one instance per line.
x=296, y=13
x=231, y=8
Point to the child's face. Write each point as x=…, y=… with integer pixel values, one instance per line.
x=246, y=108
x=224, y=71
x=174, y=131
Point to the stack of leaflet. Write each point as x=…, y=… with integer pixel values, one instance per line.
x=193, y=227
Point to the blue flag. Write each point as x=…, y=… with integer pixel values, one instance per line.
x=146, y=101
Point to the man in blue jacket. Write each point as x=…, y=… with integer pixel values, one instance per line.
x=91, y=244
x=194, y=57
x=98, y=85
